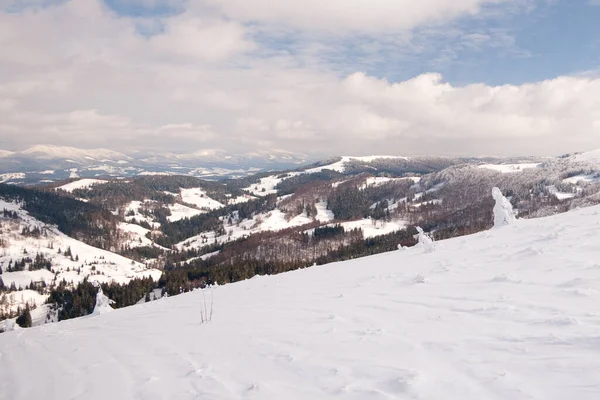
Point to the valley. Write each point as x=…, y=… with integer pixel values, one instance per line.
x=183, y=232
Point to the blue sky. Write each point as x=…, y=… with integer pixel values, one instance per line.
x=549, y=39
x=316, y=76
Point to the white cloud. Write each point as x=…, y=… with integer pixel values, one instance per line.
x=205, y=40
x=344, y=16
x=78, y=74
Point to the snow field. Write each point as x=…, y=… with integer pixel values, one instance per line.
x=509, y=168
x=510, y=313
x=199, y=198
x=81, y=184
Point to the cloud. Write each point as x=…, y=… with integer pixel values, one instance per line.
x=350, y=16
x=78, y=73
x=206, y=40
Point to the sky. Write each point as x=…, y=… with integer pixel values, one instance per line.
x=316, y=77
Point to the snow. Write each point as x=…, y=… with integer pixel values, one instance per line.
x=267, y=185
x=102, y=304
x=11, y=176
x=274, y=220
x=72, y=153
x=88, y=262
x=585, y=178
x=240, y=199
x=339, y=166
x=203, y=257
x=200, y=199
x=558, y=194
x=134, y=208
x=503, y=211
x=505, y=314
x=323, y=214
x=179, y=212
x=590, y=156
x=19, y=298
x=426, y=243
x=277, y=220
x=81, y=184
x=152, y=173
x=137, y=235
x=430, y=202
x=372, y=228
x=508, y=168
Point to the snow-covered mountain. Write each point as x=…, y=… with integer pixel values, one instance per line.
x=74, y=154
x=48, y=163
x=44, y=163
x=509, y=313
x=35, y=253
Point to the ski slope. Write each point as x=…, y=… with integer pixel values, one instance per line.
x=511, y=313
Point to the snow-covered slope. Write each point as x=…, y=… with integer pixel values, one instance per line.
x=511, y=313
x=83, y=262
x=340, y=166
x=508, y=168
x=80, y=184
x=199, y=198
x=589, y=156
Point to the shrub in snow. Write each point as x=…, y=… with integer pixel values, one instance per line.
x=503, y=211
x=102, y=303
x=425, y=240
x=205, y=312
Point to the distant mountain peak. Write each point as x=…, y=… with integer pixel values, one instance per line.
x=74, y=153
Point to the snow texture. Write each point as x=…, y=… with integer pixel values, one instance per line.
x=506, y=314
x=503, y=211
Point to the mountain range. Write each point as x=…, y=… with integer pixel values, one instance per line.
x=508, y=313
x=43, y=163
x=60, y=235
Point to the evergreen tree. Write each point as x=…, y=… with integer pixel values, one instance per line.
x=24, y=320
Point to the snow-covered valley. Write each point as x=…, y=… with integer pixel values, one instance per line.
x=509, y=313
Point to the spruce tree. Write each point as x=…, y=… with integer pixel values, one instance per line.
x=24, y=320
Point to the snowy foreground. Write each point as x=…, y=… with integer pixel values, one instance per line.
x=512, y=313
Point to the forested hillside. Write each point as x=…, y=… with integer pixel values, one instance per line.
x=197, y=232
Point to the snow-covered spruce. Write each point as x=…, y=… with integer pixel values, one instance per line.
x=102, y=303
x=425, y=241
x=503, y=211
